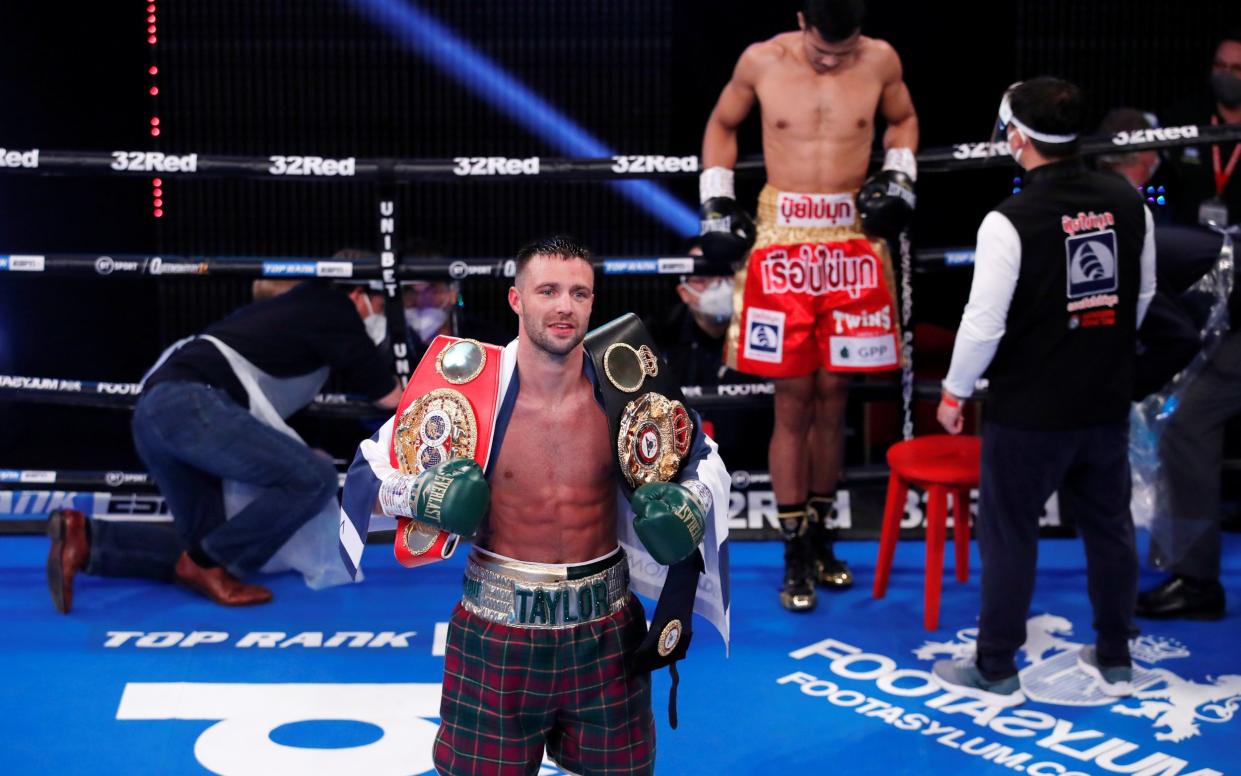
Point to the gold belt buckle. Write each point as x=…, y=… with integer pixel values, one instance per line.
x=437, y=427
x=654, y=437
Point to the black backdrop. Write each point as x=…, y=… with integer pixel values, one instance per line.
x=322, y=77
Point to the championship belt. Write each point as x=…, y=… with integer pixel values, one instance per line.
x=643, y=403
x=448, y=410
x=654, y=434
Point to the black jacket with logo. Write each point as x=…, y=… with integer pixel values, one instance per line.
x=1066, y=357
x=310, y=326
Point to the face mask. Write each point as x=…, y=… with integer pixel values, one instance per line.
x=716, y=301
x=1227, y=89
x=425, y=321
x=1016, y=155
x=376, y=327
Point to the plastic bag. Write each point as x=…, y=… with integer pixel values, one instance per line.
x=1150, y=416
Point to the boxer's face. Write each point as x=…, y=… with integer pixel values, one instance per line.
x=553, y=297
x=824, y=56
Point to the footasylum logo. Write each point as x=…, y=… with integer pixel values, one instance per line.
x=1029, y=738
x=1174, y=705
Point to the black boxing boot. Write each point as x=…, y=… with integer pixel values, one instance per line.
x=797, y=592
x=829, y=570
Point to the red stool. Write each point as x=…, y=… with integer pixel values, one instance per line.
x=940, y=465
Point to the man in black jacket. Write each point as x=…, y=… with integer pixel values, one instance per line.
x=1064, y=272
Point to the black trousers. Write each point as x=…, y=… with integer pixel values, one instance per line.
x=1020, y=471
x=1185, y=535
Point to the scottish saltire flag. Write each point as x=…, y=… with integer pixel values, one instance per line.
x=367, y=472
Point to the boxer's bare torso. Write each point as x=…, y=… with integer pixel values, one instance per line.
x=817, y=129
x=818, y=124
x=553, y=488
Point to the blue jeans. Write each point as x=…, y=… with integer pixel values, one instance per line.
x=192, y=437
x=130, y=549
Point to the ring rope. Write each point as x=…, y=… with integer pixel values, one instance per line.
x=123, y=396
x=907, y=336
x=631, y=166
x=130, y=265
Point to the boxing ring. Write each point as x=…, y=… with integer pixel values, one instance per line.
x=144, y=678
x=119, y=493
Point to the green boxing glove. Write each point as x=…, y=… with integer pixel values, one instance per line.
x=670, y=519
x=453, y=496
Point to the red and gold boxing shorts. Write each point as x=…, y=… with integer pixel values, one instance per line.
x=815, y=292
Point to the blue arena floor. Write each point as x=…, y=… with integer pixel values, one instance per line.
x=146, y=678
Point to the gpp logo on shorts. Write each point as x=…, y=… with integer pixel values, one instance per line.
x=1091, y=263
x=863, y=351
x=764, y=335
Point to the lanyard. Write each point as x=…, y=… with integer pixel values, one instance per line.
x=1222, y=176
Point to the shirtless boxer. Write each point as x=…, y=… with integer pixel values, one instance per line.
x=539, y=651
x=814, y=301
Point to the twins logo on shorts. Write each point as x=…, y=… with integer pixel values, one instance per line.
x=764, y=335
x=1091, y=263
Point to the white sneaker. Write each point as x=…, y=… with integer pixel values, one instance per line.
x=1112, y=681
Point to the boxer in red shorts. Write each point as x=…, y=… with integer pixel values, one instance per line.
x=814, y=301
x=816, y=292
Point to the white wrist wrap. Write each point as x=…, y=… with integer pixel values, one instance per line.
x=701, y=494
x=715, y=182
x=902, y=160
x=396, y=494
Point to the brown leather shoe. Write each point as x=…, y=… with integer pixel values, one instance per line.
x=219, y=585
x=68, y=555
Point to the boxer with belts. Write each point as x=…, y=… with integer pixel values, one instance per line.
x=814, y=301
x=569, y=503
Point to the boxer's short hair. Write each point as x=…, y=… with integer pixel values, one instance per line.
x=559, y=245
x=835, y=20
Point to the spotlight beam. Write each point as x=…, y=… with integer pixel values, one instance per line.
x=460, y=61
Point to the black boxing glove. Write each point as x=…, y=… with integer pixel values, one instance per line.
x=886, y=201
x=727, y=231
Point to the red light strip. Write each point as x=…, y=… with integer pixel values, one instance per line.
x=157, y=191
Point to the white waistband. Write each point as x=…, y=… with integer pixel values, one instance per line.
x=551, y=567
